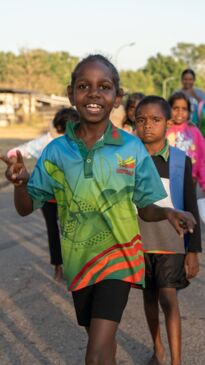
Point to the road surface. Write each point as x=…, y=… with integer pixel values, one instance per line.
x=37, y=319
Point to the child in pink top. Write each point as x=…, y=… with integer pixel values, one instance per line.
x=185, y=135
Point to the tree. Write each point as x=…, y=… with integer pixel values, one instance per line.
x=192, y=55
x=7, y=68
x=161, y=68
x=137, y=81
x=50, y=72
x=37, y=70
x=61, y=65
x=186, y=52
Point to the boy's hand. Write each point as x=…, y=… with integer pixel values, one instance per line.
x=16, y=171
x=183, y=222
x=191, y=265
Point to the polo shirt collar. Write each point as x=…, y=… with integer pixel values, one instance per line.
x=164, y=153
x=111, y=136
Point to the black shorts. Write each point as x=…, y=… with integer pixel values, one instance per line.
x=165, y=271
x=106, y=300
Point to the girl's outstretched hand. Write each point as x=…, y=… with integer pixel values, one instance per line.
x=183, y=222
x=16, y=171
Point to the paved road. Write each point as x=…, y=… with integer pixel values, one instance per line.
x=37, y=320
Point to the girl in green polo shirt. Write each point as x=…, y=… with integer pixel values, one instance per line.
x=98, y=174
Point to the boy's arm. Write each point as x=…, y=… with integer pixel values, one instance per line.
x=191, y=264
x=183, y=222
x=190, y=205
x=22, y=148
x=17, y=174
x=32, y=148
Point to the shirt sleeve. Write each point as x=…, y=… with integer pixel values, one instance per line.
x=190, y=205
x=41, y=184
x=23, y=148
x=148, y=186
x=33, y=148
x=200, y=93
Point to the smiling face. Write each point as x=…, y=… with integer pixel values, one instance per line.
x=151, y=124
x=94, y=92
x=180, y=112
x=188, y=81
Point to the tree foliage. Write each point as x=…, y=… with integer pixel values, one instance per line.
x=134, y=81
x=193, y=56
x=164, y=68
x=49, y=72
x=37, y=70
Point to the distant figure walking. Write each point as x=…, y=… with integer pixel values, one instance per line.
x=195, y=95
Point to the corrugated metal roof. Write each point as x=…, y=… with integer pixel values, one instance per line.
x=16, y=91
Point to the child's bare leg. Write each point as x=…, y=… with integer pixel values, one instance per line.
x=170, y=307
x=58, y=272
x=151, y=308
x=101, y=347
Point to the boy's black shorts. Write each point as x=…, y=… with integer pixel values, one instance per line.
x=165, y=271
x=106, y=300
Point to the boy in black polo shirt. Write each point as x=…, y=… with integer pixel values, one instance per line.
x=170, y=260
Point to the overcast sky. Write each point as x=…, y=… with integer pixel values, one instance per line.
x=81, y=27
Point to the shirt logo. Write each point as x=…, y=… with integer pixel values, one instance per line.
x=125, y=166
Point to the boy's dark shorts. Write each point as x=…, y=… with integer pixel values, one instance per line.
x=165, y=271
x=106, y=300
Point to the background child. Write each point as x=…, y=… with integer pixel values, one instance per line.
x=96, y=182
x=195, y=95
x=186, y=136
x=168, y=265
x=33, y=149
x=130, y=107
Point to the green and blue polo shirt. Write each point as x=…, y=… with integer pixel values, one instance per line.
x=96, y=192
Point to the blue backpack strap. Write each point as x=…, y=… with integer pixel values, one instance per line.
x=176, y=176
x=177, y=160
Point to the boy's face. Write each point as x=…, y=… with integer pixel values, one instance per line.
x=151, y=124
